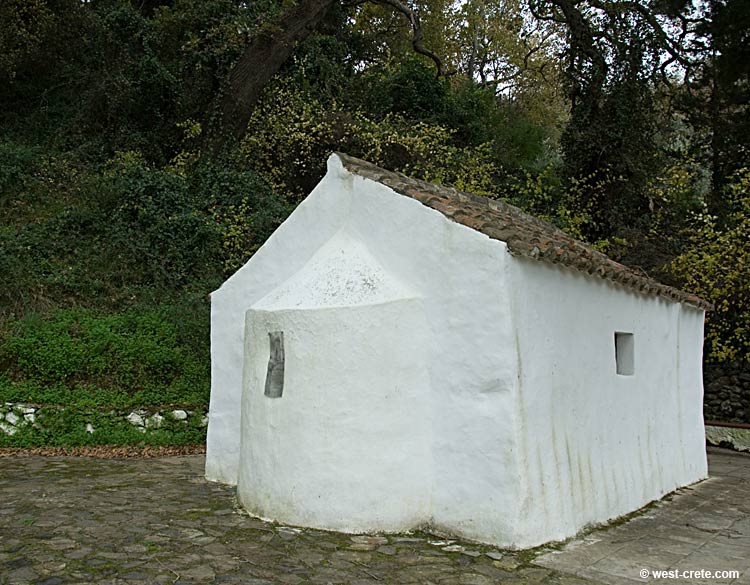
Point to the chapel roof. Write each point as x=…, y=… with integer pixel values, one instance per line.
x=525, y=235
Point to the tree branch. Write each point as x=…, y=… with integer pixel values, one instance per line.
x=649, y=17
x=264, y=55
x=582, y=38
x=416, y=27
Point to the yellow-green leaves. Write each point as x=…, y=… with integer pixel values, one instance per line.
x=716, y=266
x=24, y=25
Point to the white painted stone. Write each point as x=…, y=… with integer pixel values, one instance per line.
x=8, y=429
x=430, y=378
x=25, y=409
x=154, y=421
x=739, y=439
x=204, y=421
x=340, y=362
x=90, y=428
x=12, y=418
x=30, y=417
x=135, y=419
x=179, y=415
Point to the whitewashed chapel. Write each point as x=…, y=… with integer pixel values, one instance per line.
x=400, y=354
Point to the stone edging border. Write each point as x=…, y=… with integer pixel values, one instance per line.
x=15, y=416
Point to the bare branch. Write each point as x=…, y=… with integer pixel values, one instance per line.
x=416, y=27
x=534, y=9
x=621, y=7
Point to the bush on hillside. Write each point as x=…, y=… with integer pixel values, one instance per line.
x=715, y=266
x=82, y=357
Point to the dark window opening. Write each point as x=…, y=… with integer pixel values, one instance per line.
x=625, y=353
x=275, y=374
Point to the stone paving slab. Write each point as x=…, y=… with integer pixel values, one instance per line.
x=81, y=520
x=702, y=527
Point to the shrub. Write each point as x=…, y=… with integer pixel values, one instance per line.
x=244, y=210
x=290, y=140
x=81, y=357
x=156, y=225
x=16, y=167
x=716, y=265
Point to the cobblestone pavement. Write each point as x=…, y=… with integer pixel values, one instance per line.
x=80, y=520
x=705, y=527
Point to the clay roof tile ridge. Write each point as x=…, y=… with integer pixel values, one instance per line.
x=524, y=234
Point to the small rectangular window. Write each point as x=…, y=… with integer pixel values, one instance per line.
x=275, y=374
x=625, y=353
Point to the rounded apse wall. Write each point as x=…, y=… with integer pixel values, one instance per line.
x=335, y=418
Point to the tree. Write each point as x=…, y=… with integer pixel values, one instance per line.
x=731, y=146
x=271, y=47
x=266, y=52
x=615, y=52
x=500, y=46
x=25, y=23
x=718, y=96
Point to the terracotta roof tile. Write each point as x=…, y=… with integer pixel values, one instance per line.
x=524, y=234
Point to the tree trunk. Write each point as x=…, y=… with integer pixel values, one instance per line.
x=261, y=60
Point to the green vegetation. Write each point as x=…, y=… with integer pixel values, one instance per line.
x=90, y=368
x=76, y=357
x=716, y=265
x=125, y=199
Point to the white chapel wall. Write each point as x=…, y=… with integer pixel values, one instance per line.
x=596, y=444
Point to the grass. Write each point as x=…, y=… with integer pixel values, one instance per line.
x=82, y=366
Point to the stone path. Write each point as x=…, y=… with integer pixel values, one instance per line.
x=78, y=520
